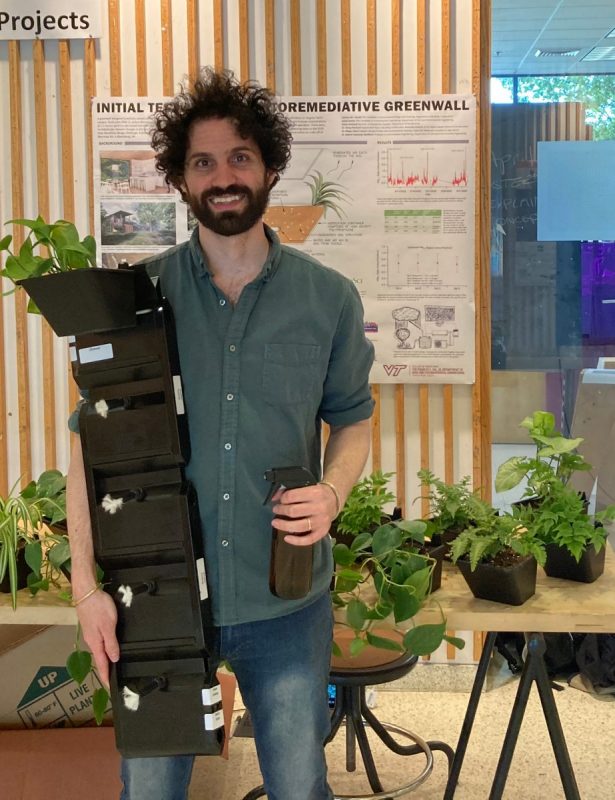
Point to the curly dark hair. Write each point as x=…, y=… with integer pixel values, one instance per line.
x=220, y=95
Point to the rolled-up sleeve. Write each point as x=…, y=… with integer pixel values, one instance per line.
x=346, y=396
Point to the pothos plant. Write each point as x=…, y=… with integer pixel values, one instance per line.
x=401, y=578
x=49, y=247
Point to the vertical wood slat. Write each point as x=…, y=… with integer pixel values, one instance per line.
x=90, y=92
x=447, y=390
x=421, y=46
x=192, y=26
x=481, y=398
x=375, y=428
x=446, y=46
x=115, y=49
x=295, y=45
x=67, y=150
x=346, y=48
x=17, y=208
x=396, y=43
x=372, y=47
x=321, y=41
x=218, y=34
x=42, y=193
x=270, y=44
x=141, y=47
x=166, y=20
x=244, y=40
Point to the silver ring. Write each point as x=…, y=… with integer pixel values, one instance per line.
x=309, y=519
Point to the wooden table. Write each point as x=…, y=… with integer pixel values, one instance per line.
x=557, y=606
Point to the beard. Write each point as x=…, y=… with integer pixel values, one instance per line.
x=230, y=223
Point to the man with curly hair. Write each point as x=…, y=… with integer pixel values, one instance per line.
x=271, y=343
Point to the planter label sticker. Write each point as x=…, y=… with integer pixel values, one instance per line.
x=54, y=700
x=100, y=352
x=379, y=188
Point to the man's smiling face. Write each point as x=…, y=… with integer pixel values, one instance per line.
x=226, y=183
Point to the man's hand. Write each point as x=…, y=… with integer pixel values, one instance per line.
x=310, y=510
x=98, y=618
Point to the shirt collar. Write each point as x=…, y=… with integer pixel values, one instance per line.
x=269, y=267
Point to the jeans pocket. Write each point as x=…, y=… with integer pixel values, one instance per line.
x=291, y=374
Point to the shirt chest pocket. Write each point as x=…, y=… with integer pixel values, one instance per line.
x=291, y=373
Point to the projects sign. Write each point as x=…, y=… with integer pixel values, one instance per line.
x=50, y=19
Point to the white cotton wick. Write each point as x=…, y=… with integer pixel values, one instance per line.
x=102, y=409
x=111, y=505
x=131, y=699
x=126, y=595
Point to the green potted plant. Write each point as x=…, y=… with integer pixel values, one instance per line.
x=381, y=577
x=497, y=557
x=452, y=506
x=58, y=271
x=552, y=509
x=364, y=509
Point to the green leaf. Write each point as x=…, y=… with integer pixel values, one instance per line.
x=361, y=542
x=357, y=645
x=356, y=613
x=34, y=556
x=6, y=242
x=424, y=639
x=336, y=650
x=59, y=554
x=342, y=555
x=35, y=584
x=383, y=643
x=405, y=603
x=510, y=473
x=455, y=641
x=100, y=699
x=79, y=664
x=386, y=537
x=420, y=581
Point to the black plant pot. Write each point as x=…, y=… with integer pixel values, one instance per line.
x=437, y=553
x=85, y=300
x=23, y=570
x=512, y=585
x=561, y=564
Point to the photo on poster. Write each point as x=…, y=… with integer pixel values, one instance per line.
x=130, y=172
x=132, y=223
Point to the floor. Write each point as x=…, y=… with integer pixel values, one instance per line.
x=587, y=721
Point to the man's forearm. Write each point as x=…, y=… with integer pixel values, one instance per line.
x=83, y=566
x=345, y=456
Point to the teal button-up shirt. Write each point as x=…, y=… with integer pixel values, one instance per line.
x=258, y=378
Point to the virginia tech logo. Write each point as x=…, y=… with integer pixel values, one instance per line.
x=394, y=369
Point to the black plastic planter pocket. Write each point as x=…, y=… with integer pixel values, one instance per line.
x=562, y=564
x=512, y=585
x=144, y=515
x=437, y=553
x=159, y=608
x=166, y=708
x=23, y=570
x=85, y=300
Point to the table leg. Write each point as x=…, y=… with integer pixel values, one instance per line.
x=468, y=721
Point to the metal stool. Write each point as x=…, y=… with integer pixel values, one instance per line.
x=351, y=710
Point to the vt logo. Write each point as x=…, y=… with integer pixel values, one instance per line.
x=394, y=369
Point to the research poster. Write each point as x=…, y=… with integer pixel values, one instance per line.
x=379, y=188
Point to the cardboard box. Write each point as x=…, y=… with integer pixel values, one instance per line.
x=59, y=764
x=36, y=690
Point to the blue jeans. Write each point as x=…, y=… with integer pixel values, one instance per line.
x=282, y=669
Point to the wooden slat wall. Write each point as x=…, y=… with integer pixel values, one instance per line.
x=295, y=46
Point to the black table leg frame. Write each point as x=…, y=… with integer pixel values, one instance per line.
x=534, y=671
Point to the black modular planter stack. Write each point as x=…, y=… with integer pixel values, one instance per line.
x=147, y=536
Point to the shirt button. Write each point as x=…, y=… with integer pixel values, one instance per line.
x=224, y=543
x=230, y=396
x=228, y=446
x=226, y=496
x=222, y=302
x=232, y=348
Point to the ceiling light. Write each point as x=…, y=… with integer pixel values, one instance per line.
x=600, y=54
x=540, y=53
